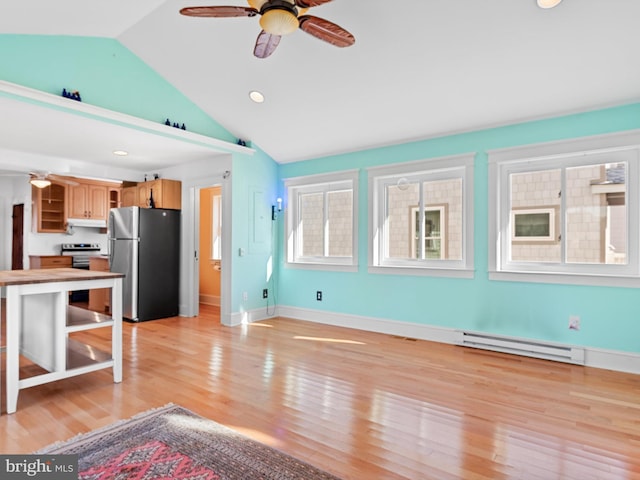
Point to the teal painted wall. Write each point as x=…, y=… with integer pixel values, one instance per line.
x=610, y=316
x=105, y=73
x=254, y=182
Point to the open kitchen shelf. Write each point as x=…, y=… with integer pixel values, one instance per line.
x=79, y=319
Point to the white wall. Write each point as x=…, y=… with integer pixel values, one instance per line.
x=13, y=191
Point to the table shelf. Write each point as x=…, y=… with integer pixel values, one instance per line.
x=80, y=319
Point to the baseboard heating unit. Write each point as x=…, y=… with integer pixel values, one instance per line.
x=517, y=346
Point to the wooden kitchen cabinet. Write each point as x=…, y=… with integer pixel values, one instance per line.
x=50, y=261
x=114, y=195
x=88, y=200
x=166, y=193
x=99, y=298
x=50, y=208
x=129, y=197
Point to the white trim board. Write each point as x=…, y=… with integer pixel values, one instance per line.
x=593, y=357
x=250, y=316
x=48, y=100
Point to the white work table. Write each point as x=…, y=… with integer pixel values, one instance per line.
x=39, y=322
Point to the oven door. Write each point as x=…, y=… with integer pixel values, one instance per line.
x=81, y=262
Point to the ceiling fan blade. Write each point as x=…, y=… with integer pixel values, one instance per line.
x=326, y=30
x=219, y=12
x=266, y=44
x=311, y=3
x=58, y=178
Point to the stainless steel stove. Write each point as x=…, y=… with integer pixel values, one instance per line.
x=81, y=252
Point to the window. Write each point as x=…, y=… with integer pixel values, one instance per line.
x=216, y=227
x=533, y=224
x=565, y=214
x=421, y=217
x=321, y=221
x=434, y=235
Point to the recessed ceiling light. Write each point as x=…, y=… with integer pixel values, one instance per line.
x=256, y=96
x=121, y=153
x=548, y=3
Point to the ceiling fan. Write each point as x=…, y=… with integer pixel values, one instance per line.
x=277, y=18
x=44, y=179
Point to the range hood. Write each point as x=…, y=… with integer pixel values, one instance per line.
x=87, y=222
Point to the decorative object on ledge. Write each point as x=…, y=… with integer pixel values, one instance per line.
x=73, y=95
x=175, y=125
x=241, y=142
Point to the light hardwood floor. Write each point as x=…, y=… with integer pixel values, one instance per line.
x=359, y=405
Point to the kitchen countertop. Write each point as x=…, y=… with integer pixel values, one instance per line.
x=24, y=277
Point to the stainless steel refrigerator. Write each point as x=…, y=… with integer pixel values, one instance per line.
x=144, y=244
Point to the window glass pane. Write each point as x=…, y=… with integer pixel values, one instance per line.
x=535, y=197
x=443, y=200
x=311, y=224
x=532, y=225
x=401, y=200
x=216, y=227
x=340, y=220
x=596, y=214
x=433, y=234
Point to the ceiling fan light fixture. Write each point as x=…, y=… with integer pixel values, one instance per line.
x=548, y=3
x=40, y=182
x=278, y=21
x=257, y=4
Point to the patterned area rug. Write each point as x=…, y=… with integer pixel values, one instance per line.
x=174, y=443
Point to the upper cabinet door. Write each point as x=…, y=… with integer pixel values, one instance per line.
x=98, y=202
x=78, y=201
x=88, y=201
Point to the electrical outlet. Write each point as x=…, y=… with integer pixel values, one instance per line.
x=245, y=296
x=574, y=322
x=265, y=293
x=319, y=295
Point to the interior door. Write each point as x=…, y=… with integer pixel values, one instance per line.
x=17, y=238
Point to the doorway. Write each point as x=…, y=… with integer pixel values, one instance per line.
x=210, y=239
x=17, y=237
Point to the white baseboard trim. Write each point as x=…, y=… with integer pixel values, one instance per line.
x=249, y=316
x=620, y=361
x=371, y=324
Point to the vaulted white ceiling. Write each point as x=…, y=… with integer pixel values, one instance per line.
x=418, y=69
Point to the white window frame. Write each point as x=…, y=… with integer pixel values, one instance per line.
x=441, y=168
x=610, y=148
x=324, y=183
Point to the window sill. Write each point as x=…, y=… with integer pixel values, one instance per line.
x=423, y=272
x=329, y=267
x=566, y=279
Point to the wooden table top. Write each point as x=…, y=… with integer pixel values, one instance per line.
x=49, y=275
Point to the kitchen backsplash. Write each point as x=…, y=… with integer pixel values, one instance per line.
x=49, y=243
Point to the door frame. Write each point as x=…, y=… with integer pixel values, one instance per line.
x=17, y=236
x=192, y=234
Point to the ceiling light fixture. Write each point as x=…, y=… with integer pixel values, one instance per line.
x=279, y=21
x=256, y=96
x=40, y=182
x=121, y=153
x=548, y=3
x=278, y=17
